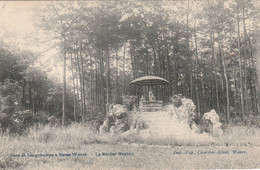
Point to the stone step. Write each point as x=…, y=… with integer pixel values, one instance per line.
x=151, y=109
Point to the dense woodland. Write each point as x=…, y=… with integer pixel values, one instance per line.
x=207, y=50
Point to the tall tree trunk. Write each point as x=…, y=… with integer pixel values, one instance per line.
x=108, y=85
x=24, y=95
x=257, y=75
x=168, y=64
x=197, y=73
x=257, y=107
x=30, y=95
x=133, y=62
x=76, y=74
x=64, y=85
x=189, y=54
x=235, y=87
x=156, y=71
x=83, y=83
x=117, y=85
x=176, y=63
x=258, y=82
x=203, y=93
x=245, y=59
x=214, y=61
x=91, y=82
x=33, y=102
x=226, y=81
x=97, y=102
x=159, y=58
x=74, y=88
x=240, y=63
x=102, y=81
x=80, y=85
x=96, y=85
x=124, y=71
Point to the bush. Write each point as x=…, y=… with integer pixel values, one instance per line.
x=238, y=135
x=21, y=121
x=252, y=120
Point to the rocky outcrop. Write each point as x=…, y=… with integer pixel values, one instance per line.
x=176, y=118
x=210, y=123
x=117, y=120
x=184, y=109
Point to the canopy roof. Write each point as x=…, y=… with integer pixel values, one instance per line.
x=149, y=81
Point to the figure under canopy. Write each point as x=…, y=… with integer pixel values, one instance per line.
x=151, y=96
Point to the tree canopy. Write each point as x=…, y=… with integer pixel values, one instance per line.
x=206, y=50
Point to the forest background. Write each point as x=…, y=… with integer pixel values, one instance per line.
x=78, y=57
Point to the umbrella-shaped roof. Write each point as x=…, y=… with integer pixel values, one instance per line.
x=149, y=81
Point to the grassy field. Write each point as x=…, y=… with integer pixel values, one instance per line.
x=130, y=152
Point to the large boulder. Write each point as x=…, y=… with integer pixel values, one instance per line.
x=117, y=110
x=186, y=111
x=117, y=120
x=105, y=128
x=176, y=100
x=121, y=125
x=211, y=124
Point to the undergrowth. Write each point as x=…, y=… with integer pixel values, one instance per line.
x=47, y=139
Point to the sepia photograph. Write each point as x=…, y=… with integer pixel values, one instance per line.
x=140, y=84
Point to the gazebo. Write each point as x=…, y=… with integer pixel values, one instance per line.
x=152, y=104
x=149, y=81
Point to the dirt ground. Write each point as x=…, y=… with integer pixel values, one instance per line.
x=134, y=156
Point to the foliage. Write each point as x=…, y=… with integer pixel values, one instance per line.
x=9, y=101
x=208, y=55
x=27, y=95
x=197, y=51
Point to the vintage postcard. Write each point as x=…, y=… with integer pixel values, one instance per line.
x=130, y=84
